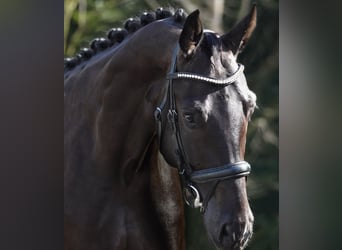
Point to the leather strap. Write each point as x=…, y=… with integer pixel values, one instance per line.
x=224, y=172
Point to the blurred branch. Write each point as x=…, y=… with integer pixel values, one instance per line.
x=81, y=22
x=82, y=13
x=216, y=20
x=152, y=3
x=244, y=8
x=69, y=8
x=187, y=5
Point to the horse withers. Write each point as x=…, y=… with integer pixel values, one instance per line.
x=157, y=111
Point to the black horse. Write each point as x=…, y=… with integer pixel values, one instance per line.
x=156, y=112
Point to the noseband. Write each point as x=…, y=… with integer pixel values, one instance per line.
x=188, y=176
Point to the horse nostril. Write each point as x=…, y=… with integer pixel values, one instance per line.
x=235, y=235
x=226, y=231
x=227, y=234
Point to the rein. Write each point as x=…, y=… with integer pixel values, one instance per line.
x=188, y=176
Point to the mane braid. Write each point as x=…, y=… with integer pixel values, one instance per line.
x=115, y=36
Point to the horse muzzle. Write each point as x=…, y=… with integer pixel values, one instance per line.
x=235, y=236
x=228, y=217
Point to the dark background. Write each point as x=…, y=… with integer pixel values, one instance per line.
x=31, y=127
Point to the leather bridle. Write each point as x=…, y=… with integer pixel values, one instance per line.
x=189, y=177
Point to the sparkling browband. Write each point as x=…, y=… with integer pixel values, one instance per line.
x=185, y=75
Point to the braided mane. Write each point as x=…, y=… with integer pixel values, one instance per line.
x=115, y=36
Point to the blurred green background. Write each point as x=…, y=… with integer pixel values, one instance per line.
x=87, y=19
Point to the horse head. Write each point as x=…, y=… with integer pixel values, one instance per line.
x=203, y=124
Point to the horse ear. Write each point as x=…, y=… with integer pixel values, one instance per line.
x=237, y=38
x=191, y=34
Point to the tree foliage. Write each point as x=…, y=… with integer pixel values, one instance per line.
x=87, y=19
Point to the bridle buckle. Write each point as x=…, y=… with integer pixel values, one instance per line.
x=192, y=197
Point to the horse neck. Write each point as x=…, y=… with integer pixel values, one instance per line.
x=131, y=84
x=116, y=97
x=146, y=62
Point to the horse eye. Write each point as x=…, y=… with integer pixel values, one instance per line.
x=189, y=119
